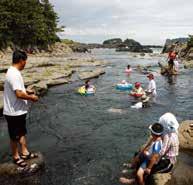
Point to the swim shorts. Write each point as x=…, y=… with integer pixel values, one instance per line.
x=16, y=126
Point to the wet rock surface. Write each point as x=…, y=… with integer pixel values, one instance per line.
x=43, y=71
x=31, y=175
x=186, y=135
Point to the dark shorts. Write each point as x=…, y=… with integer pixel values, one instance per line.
x=16, y=126
x=163, y=166
x=171, y=62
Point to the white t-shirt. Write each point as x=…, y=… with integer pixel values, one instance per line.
x=176, y=65
x=14, y=106
x=152, y=87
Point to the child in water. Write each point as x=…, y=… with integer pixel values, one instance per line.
x=128, y=70
x=88, y=87
x=137, y=91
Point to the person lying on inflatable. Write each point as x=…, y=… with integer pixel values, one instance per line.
x=124, y=85
x=137, y=91
x=124, y=82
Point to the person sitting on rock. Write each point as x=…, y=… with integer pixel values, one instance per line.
x=137, y=91
x=168, y=153
x=153, y=148
x=170, y=150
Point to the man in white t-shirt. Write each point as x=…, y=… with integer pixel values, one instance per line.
x=151, y=89
x=16, y=107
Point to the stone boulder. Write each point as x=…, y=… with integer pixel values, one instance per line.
x=11, y=174
x=112, y=43
x=159, y=179
x=186, y=135
x=80, y=48
x=40, y=88
x=95, y=45
x=54, y=82
x=131, y=45
x=188, y=64
x=177, y=43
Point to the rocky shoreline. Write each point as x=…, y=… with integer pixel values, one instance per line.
x=45, y=70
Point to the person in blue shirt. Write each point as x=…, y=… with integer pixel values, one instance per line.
x=153, y=148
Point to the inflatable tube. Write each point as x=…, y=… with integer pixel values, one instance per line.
x=136, y=95
x=84, y=92
x=124, y=87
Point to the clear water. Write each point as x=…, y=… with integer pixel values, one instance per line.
x=85, y=140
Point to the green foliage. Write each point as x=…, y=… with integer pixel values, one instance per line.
x=27, y=23
x=190, y=41
x=67, y=41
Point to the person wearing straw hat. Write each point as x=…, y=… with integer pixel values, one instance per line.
x=153, y=148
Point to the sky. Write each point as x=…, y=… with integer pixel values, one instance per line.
x=146, y=21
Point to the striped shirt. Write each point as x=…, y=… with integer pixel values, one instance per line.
x=170, y=148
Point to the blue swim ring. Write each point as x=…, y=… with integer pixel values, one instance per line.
x=124, y=87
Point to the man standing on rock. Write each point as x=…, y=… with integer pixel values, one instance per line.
x=16, y=107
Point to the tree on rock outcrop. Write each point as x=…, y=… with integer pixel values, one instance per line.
x=27, y=24
x=190, y=41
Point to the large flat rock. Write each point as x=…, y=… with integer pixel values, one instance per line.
x=54, y=82
x=91, y=74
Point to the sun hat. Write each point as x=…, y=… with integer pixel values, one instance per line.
x=137, y=84
x=156, y=129
x=169, y=122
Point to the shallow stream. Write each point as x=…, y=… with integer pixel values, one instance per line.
x=86, y=139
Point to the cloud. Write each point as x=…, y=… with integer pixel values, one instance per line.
x=150, y=21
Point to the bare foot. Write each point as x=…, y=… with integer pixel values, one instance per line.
x=124, y=180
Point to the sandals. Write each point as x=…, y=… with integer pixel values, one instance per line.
x=20, y=162
x=29, y=156
x=128, y=165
